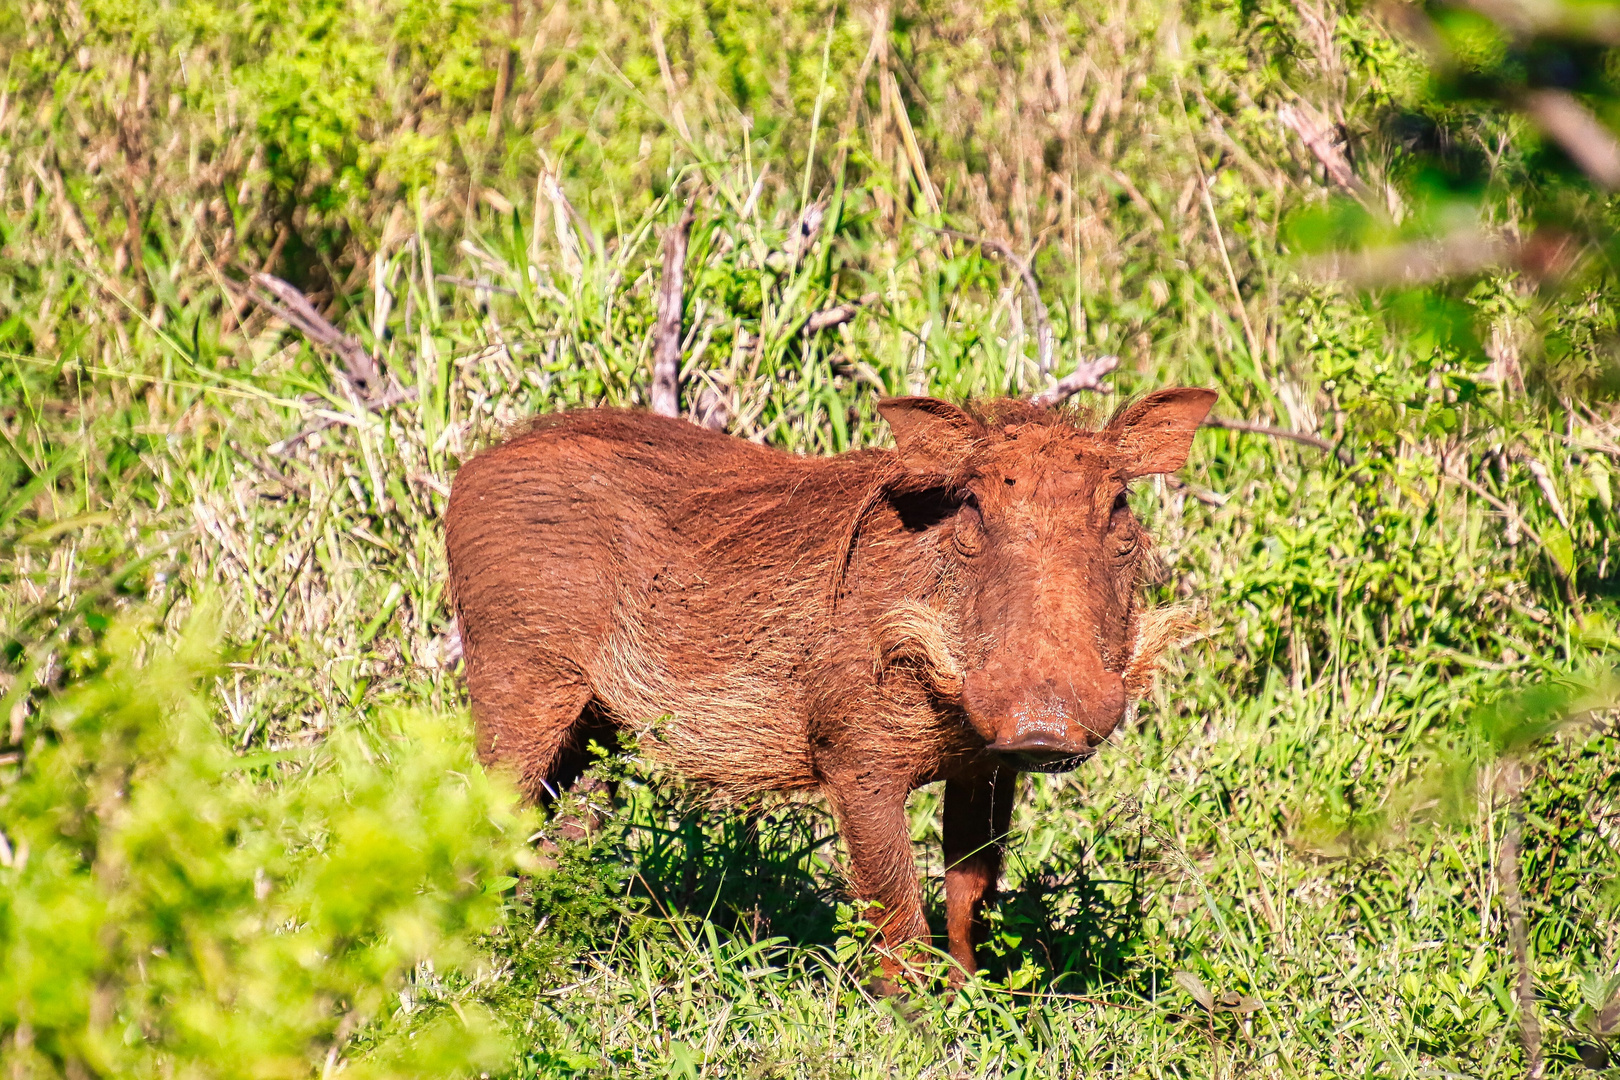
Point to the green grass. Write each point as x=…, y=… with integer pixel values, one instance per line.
x=1228, y=843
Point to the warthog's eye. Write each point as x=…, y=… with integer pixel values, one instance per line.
x=968, y=534
x=1123, y=528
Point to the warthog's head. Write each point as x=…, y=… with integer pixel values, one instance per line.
x=1045, y=560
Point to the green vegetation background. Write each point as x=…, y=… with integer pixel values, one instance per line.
x=241, y=829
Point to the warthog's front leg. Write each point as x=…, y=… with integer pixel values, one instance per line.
x=978, y=812
x=871, y=812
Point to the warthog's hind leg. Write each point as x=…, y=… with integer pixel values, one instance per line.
x=533, y=718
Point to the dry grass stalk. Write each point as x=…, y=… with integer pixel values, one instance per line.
x=666, y=382
x=1507, y=869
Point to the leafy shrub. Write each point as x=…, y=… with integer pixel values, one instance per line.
x=170, y=908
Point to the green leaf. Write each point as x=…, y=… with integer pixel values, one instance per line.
x=1597, y=474
x=1561, y=548
x=1195, y=986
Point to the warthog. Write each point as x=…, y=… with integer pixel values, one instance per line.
x=961, y=608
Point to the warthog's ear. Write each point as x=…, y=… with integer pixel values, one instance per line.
x=932, y=436
x=1156, y=432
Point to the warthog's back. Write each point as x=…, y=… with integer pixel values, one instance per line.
x=667, y=569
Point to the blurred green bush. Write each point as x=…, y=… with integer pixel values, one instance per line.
x=169, y=908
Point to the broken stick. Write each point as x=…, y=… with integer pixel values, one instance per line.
x=296, y=311
x=666, y=382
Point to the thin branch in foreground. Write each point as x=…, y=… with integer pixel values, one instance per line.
x=1546, y=254
x=1581, y=135
x=1301, y=437
x=666, y=382
x=296, y=311
x=1465, y=251
x=1088, y=375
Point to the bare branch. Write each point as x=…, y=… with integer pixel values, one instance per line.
x=1277, y=433
x=1087, y=375
x=1587, y=141
x=837, y=315
x=1597, y=22
x=296, y=311
x=666, y=383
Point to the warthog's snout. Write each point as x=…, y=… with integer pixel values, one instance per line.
x=1044, y=728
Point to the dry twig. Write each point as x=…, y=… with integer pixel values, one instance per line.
x=838, y=314
x=1317, y=136
x=1278, y=433
x=293, y=308
x=1088, y=375
x=666, y=383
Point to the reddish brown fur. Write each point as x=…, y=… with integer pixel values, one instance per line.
x=959, y=609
